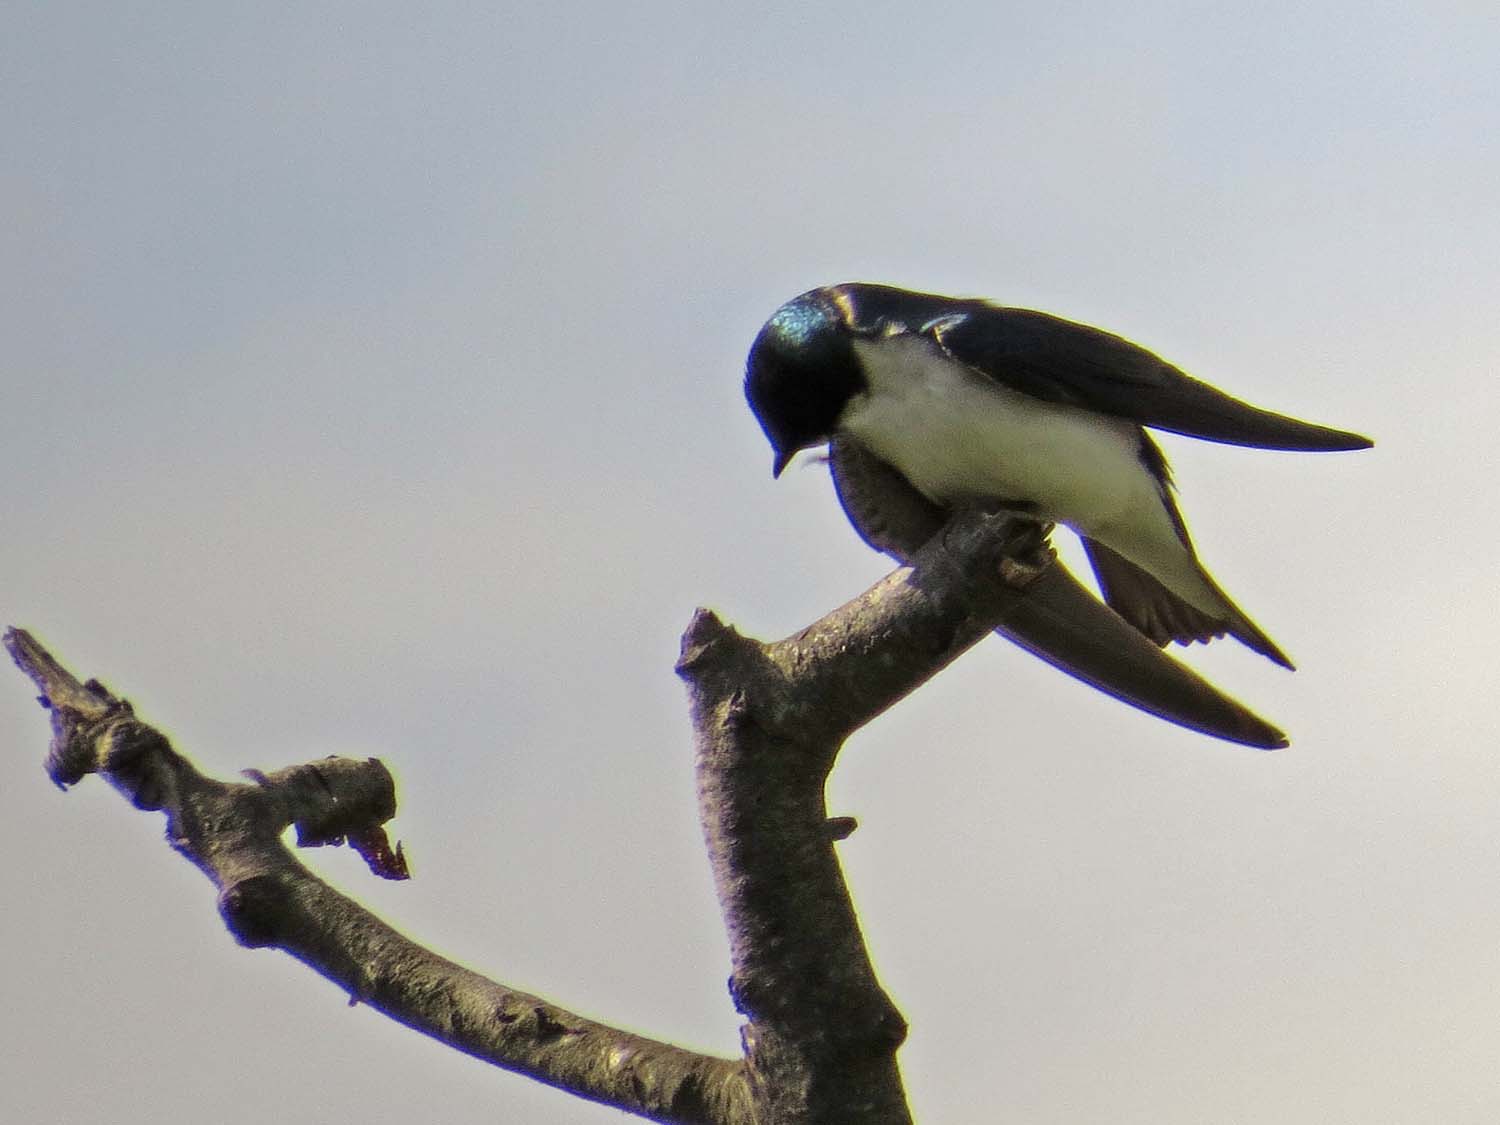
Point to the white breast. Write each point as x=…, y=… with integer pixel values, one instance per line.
x=958, y=436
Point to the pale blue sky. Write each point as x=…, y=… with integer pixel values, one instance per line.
x=372, y=385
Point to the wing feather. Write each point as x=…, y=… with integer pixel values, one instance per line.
x=1059, y=360
x=1057, y=619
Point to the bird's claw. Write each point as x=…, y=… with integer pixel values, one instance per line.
x=1027, y=553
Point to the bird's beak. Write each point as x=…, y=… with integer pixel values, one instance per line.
x=783, y=459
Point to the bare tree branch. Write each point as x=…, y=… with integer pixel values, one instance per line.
x=232, y=832
x=769, y=720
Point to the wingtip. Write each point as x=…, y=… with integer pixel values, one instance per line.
x=1345, y=441
x=1265, y=737
x=1075, y=632
x=1326, y=439
x=1230, y=720
x=1249, y=634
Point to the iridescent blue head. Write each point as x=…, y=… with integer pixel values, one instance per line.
x=802, y=372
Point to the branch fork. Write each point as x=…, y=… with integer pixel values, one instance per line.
x=769, y=719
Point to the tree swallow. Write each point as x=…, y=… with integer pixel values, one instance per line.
x=933, y=403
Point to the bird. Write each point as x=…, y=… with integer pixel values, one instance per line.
x=932, y=403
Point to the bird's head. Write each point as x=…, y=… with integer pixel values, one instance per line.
x=801, y=374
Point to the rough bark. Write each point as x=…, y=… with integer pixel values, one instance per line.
x=232, y=833
x=769, y=719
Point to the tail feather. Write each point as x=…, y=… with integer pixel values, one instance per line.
x=1056, y=618
x=1136, y=595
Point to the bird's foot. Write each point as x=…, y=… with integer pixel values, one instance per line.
x=1027, y=553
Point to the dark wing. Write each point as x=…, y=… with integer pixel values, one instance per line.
x=1061, y=361
x=1056, y=619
